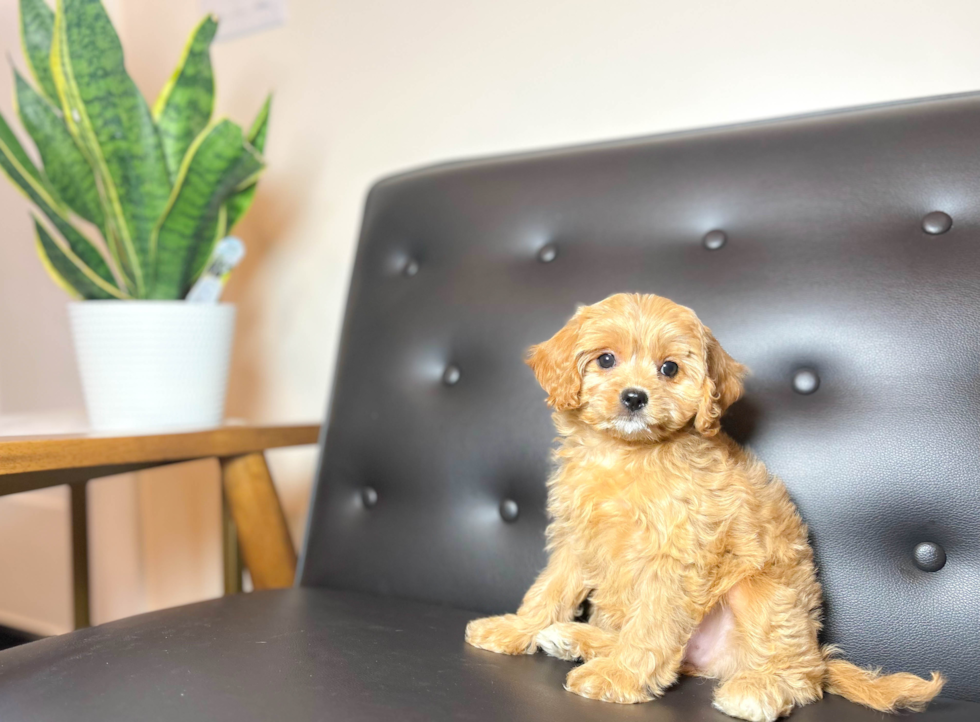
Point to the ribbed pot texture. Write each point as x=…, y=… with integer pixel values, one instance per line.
x=149, y=365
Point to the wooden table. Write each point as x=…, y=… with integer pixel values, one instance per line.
x=254, y=528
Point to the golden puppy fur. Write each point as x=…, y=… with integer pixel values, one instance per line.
x=692, y=556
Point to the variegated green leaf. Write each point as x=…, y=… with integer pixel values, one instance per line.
x=218, y=163
x=67, y=269
x=36, y=27
x=184, y=107
x=239, y=203
x=14, y=153
x=22, y=171
x=111, y=122
x=260, y=126
x=66, y=169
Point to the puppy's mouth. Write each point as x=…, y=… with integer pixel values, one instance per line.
x=631, y=425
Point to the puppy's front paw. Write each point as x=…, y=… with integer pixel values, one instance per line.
x=556, y=642
x=507, y=634
x=607, y=680
x=574, y=641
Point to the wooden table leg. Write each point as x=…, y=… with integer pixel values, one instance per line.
x=263, y=536
x=231, y=556
x=79, y=553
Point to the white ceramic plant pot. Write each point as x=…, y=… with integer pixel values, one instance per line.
x=149, y=365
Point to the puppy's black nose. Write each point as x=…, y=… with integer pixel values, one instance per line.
x=634, y=399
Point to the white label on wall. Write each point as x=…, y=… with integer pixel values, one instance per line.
x=241, y=17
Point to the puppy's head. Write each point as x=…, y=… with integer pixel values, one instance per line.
x=638, y=367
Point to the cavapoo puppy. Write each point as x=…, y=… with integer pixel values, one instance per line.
x=692, y=556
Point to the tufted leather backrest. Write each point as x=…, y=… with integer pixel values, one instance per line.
x=819, y=250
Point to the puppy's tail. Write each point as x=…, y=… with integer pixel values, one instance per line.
x=883, y=692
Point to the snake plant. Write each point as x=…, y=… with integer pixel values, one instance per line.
x=161, y=187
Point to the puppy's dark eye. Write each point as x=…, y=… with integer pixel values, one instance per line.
x=668, y=369
x=606, y=361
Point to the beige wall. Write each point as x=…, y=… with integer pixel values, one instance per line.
x=366, y=87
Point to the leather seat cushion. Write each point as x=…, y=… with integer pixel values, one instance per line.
x=303, y=654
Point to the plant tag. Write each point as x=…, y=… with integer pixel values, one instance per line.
x=228, y=253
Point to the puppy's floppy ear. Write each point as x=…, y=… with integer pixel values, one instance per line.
x=555, y=366
x=722, y=385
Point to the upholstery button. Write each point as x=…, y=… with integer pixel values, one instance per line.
x=936, y=223
x=509, y=510
x=369, y=496
x=411, y=267
x=450, y=376
x=806, y=381
x=713, y=240
x=548, y=253
x=929, y=556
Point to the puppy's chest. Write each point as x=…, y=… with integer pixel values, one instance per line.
x=613, y=518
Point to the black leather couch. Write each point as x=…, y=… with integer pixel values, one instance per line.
x=838, y=255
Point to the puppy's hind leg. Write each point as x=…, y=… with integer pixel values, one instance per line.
x=775, y=662
x=573, y=641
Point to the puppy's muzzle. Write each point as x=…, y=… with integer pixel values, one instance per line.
x=634, y=399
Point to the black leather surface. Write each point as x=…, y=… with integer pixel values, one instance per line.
x=306, y=654
x=825, y=266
